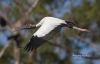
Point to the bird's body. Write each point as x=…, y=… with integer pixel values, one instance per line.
x=48, y=28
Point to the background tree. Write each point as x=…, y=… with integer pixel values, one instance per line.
x=66, y=46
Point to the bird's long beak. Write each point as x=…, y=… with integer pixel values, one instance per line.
x=80, y=29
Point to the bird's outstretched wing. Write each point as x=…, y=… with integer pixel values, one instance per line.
x=34, y=43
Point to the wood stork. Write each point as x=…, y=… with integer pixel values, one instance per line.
x=49, y=27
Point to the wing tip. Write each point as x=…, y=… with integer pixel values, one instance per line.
x=34, y=43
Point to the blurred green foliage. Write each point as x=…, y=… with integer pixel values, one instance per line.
x=85, y=16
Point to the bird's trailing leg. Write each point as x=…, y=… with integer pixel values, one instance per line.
x=27, y=26
x=80, y=29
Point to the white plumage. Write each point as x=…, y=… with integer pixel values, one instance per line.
x=49, y=27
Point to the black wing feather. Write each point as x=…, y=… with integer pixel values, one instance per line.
x=34, y=43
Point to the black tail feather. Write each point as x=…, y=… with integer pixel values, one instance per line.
x=34, y=43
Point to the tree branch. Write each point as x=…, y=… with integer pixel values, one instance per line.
x=32, y=55
x=74, y=51
x=22, y=20
x=6, y=19
x=90, y=43
x=19, y=4
x=19, y=24
x=4, y=28
x=16, y=53
x=5, y=47
x=32, y=7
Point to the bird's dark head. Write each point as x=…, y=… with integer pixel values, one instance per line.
x=69, y=24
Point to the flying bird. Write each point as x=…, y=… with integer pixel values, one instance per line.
x=48, y=28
